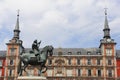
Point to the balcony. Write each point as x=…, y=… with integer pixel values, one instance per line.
x=0, y=65
x=11, y=66
x=11, y=54
x=75, y=78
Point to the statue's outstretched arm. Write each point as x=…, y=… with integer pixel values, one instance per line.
x=39, y=42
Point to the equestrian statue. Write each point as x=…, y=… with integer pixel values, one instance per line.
x=35, y=58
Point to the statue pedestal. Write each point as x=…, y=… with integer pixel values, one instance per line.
x=31, y=78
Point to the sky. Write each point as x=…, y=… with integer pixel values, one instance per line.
x=61, y=23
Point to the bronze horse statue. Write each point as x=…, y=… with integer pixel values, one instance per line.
x=31, y=59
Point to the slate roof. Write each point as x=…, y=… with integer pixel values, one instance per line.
x=118, y=53
x=2, y=53
x=71, y=51
x=76, y=51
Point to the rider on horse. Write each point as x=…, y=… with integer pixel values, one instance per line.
x=35, y=48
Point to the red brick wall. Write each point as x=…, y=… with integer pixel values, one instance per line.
x=118, y=67
x=2, y=68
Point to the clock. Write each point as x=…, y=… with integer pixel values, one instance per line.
x=108, y=40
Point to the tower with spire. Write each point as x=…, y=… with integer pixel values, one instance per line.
x=16, y=30
x=107, y=47
x=106, y=38
x=14, y=48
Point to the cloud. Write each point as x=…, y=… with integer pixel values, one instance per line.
x=62, y=23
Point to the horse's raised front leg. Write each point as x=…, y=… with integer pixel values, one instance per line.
x=24, y=68
x=45, y=69
x=40, y=70
x=20, y=73
x=39, y=74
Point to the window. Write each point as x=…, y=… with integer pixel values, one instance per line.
x=69, y=53
x=99, y=73
x=79, y=72
x=60, y=53
x=98, y=62
x=98, y=53
x=10, y=72
x=88, y=53
x=89, y=61
x=109, y=52
x=49, y=61
x=110, y=73
x=12, y=51
x=109, y=62
x=78, y=53
x=78, y=61
x=89, y=72
x=11, y=62
x=69, y=61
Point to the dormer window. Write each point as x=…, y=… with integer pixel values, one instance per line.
x=98, y=53
x=78, y=53
x=88, y=53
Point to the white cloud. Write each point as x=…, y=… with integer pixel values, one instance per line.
x=59, y=22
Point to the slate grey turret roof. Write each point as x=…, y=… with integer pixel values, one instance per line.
x=2, y=53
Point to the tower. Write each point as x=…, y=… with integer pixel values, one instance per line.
x=107, y=47
x=14, y=48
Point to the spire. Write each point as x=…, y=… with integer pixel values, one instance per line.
x=106, y=21
x=17, y=23
x=16, y=30
x=106, y=26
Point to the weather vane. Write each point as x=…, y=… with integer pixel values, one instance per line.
x=105, y=7
x=105, y=11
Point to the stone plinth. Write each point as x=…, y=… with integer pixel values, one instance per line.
x=31, y=78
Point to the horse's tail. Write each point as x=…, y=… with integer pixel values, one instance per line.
x=20, y=63
x=45, y=69
x=19, y=67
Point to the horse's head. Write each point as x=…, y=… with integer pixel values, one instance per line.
x=50, y=50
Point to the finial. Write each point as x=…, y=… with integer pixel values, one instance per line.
x=105, y=11
x=18, y=12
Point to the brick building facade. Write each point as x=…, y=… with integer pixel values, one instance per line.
x=69, y=63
